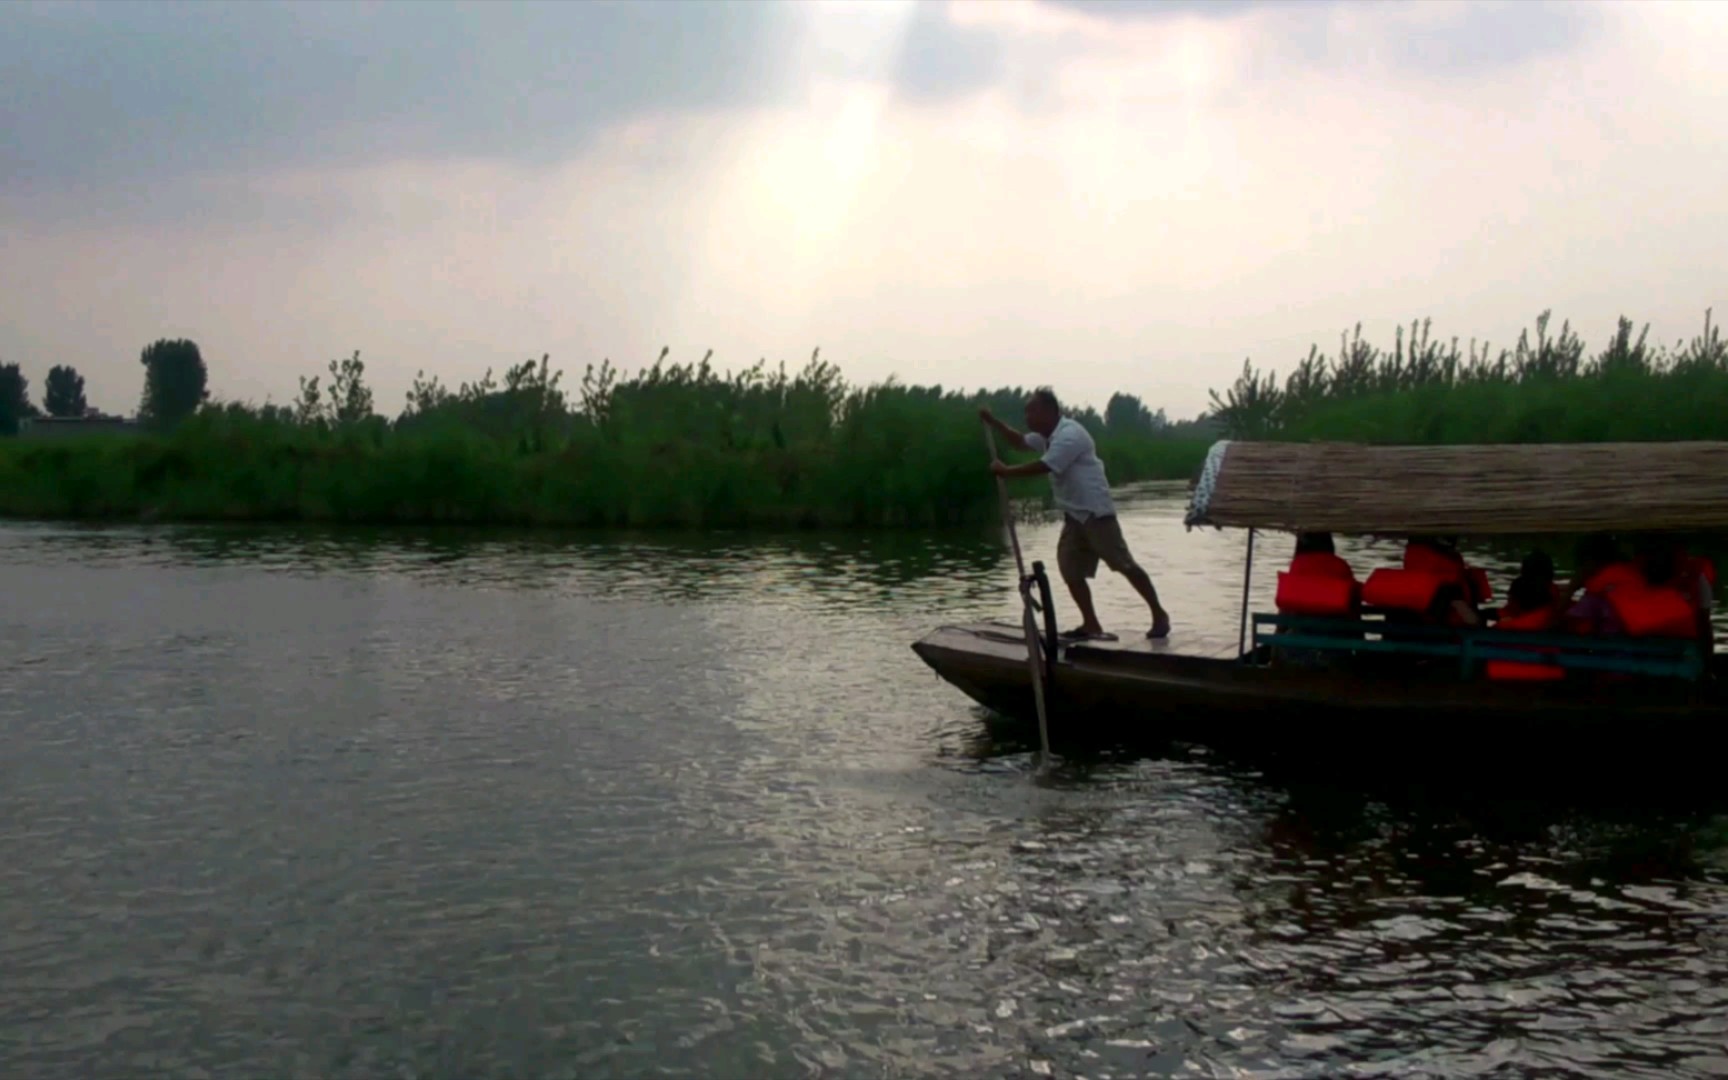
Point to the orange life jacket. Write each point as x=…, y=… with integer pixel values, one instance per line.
x=1402, y=589
x=1433, y=561
x=1451, y=569
x=1654, y=610
x=1613, y=576
x=1311, y=594
x=1321, y=564
x=1530, y=622
x=1317, y=583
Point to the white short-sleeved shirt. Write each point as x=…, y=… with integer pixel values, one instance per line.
x=1076, y=475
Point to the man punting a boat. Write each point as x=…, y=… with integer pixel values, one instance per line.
x=1090, y=530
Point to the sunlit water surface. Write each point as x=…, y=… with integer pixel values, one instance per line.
x=288, y=803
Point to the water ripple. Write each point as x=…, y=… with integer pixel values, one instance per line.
x=346, y=804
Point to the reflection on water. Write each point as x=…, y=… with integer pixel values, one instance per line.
x=330, y=804
x=853, y=568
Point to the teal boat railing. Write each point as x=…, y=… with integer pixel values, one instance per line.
x=1668, y=658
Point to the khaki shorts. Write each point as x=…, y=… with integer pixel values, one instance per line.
x=1085, y=544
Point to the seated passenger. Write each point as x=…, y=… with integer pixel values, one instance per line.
x=1663, y=602
x=1532, y=605
x=1433, y=587
x=1455, y=602
x=1315, y=555
x=1439, y=554
x=1665, y=561
x=1533, y=600
x=1601, y=568
x=1318, y=582
x=1434, y=553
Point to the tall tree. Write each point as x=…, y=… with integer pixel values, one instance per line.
x=175, y=382
x=14, y=398
x=63, y=395
x=1127, y=414
x=350, y=398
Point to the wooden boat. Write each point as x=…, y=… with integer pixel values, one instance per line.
x=1378, y=683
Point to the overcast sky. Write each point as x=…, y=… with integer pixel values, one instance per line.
x=1126, y=194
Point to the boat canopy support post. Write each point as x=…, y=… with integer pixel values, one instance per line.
x=1247, y=578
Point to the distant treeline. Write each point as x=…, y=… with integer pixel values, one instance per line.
x=675, y=445
x=1546, y=388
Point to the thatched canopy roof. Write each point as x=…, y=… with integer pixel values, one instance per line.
x=1468, y=490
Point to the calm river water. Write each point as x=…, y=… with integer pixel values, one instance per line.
x=280, y=803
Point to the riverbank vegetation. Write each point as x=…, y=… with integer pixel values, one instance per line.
x=690, y=445
x=1546, y=388
x=676, y=445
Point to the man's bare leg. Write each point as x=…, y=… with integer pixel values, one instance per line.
x=1082, y=594
x=1142, y=582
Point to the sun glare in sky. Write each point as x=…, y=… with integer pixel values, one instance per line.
x=976, y=193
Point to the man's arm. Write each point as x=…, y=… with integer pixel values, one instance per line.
x=1031, y=468
x=1014, y=438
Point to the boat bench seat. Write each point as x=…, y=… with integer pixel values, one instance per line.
x=1666, y=657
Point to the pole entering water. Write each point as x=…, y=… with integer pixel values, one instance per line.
x=1027, y=620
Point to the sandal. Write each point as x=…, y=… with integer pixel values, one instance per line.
x=1078, y=634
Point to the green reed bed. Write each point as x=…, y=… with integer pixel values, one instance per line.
x=677, y=446
x=1620, y=407
x=1546, y=388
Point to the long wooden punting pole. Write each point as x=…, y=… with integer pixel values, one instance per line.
x=1027, y=620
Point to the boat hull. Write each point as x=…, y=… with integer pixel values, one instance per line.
x=1143, y=690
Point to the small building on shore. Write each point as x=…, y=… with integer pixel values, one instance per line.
x=59, y=427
